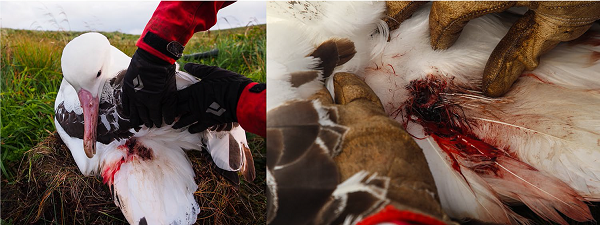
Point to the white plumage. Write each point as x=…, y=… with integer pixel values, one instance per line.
x=307, y=29
x=547, y=121
x=148, y=170
x=544, y=135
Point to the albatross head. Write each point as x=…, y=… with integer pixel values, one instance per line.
x=84, y=62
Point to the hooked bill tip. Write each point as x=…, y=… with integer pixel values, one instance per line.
x=89, y=147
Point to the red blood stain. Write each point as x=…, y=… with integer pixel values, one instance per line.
x=447, y=125
x=134, y=151
x=109, y=171
x=394, y=70
x=536, y=77
x=136, y=148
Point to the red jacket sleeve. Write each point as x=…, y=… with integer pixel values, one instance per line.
x=251, y=110
x=391, y=215
x=171, y=27
x=173, y=24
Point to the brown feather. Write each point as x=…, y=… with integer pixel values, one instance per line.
x=333, y=52
x=299, y=78
x=248, y=166
x=235, y=156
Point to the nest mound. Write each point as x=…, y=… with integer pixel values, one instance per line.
x=50, y=188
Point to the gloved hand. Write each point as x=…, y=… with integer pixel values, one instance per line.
x=149, y=90
x=304, y=139
x=211, y=101
x=378, y=144
x=315, y=143
x=544, y=26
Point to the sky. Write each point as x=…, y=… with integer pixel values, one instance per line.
x=123, y=16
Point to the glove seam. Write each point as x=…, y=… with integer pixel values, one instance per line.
x=560, y=21
x=569, y=6
x=479, y=12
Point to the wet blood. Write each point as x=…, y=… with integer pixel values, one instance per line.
x=134, y=150
x=447, y=125
x=109, y=171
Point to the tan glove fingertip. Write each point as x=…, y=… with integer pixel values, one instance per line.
x=447, y=19
x=398, y=11
x=348, y=87
x=531, y=36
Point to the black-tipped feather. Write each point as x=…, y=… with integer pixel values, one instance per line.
x=333, y=52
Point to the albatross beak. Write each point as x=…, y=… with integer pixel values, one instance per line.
x=89, y=104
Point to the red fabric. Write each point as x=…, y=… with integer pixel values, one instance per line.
x=251, y=111
x=392, y=215
x=178, y=21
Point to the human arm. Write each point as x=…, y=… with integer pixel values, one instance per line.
x=221, y=96
x=149, y=91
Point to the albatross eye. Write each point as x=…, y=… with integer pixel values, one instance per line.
x=99, y=72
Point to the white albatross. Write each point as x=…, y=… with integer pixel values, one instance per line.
x=150, y=175
x=539, y=145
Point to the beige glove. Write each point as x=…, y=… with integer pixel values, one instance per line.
x=314, y=146
x=398, y=11
x=378, y=144
x=538, y=31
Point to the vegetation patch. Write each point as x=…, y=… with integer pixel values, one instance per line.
x=48, y=188
x=40, y=180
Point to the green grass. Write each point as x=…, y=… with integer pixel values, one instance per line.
x=31, y=74
x=30, y=77
x=241, y=50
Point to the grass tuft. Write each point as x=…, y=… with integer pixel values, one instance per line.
x=40, y=180
x=48, y=188
x=30, y=75
x=241, y=50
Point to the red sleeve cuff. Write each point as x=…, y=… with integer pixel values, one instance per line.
x=155, y=52
x=178, y=21
x=251, y=110
x=391, y=215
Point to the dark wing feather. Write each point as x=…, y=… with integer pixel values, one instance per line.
x=109, y=110
x=302, y=167
x=333, y=52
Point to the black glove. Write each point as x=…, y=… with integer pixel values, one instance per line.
x=211, y=101
x=149, y=90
